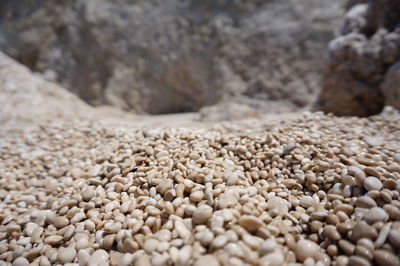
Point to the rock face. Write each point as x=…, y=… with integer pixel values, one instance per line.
x=163, y=56
x=362, y=64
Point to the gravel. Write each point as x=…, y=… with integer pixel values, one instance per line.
x=318, y=190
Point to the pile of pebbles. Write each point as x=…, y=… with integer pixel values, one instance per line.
x=319, y=190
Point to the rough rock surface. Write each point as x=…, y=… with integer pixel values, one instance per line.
x=361, y=70
x=173, y=55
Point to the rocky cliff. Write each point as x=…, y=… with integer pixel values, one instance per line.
x=174, y=55
x=362, y=69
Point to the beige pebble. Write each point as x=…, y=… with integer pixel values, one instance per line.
x=306, y=249
x=358, y=261
x=83, y=257
x=163, y=235
x=375, y=214
x=372, y=183
x=150, y=245
x=267, y=246
x=273, y=259
x=61, y=221
x=394, y=237
x=385, y=258
x=207, y=260
x=88, y=193
x=250, y=223
x=53, y=240
x=228, y=199
x=361, y=230
x=278, y=204
x=66, y=255
x=21, y=261
x=346, y=246
x=98, y=257
x=202, y=215
x=331, y=232
x=143, y=260
x=365, y=202
x=197, y=196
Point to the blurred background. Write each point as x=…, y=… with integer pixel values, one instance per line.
x=224, y=58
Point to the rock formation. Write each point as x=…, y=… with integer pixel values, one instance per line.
x=362, y=64
x=163, y=56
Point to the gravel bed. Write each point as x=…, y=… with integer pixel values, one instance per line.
x=319, y=190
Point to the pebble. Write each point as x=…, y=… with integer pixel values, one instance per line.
x=306, y=249
x=385, y=258
x=267, y=246
x=88, y=193
x=21, y=261
x=358, y=261
x=372, y=183
x=202, y=215
x=363, y=230
x=207, y=260
x=278, y=204
x=250, y=223
x=66, y=255
x=375, y=214
x=394, y=237
x=98, y=257
x=53, y=240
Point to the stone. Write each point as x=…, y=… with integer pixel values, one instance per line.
x=306, y=249
x=391, y=86
x=98, y=257
x=250, y=223
x=21, y=261
x=375, y=214
x=88, y=193
x=202, y=215
x=66, y=255
x=372, y=183
x=394, y=237
x=361, y=230
x=278, y=204
x=385, y=258
x=207, y=260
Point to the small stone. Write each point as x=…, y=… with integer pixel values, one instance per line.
x=53, y=240
x=386, y=258
x=273, y=259
x=150, y=245
x=363, y=230
x=88, y=193
x=163, y=235
x=278, y=204
x=346, y=246
x=394, y=237
x=331, y=232
x=61, y=222
x=21, y=261
x=373, y=141
x=372, y=183
x=202, y=214
x=228, y=199
x=66, y=255
x=250, y=223
x=375, y=214
x=98, y=257
x=306, y=201
x=306, y=249
x=358, y=261
x=207, y=260
x=197, y=196
x=365, y=202
x=267, y=246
